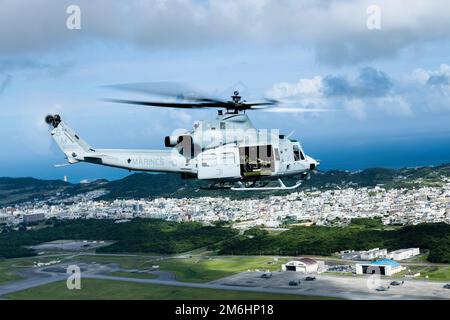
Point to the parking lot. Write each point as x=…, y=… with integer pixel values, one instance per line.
x=70, y=245
x=352, y=287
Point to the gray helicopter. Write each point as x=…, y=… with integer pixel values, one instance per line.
x=227, y=151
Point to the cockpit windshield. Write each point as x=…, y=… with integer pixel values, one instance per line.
x=298, y=154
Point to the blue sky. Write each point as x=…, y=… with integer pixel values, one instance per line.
x=389, y=88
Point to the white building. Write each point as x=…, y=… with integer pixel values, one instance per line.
x=305, y=265
x=373, y=254
x=403, y=254
x=33, y=217
x=384, y=267
x=4, y=218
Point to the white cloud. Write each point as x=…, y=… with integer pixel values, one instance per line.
x=420, y=75
x=431, y=88
x=356, y=109
x=394, y=105
x=336, y=30
x=306, y=88
x=423, y=76
x=373, y=92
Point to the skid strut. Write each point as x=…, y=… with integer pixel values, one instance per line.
x=281, y=186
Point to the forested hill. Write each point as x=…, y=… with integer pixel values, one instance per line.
x=142, y=185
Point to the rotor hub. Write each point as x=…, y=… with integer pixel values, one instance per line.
x=236, y=97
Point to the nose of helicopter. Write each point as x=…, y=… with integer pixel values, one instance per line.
x=313, y=163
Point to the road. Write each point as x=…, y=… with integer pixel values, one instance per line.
x=39, y=281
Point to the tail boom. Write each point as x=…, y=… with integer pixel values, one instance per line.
x=77, y=150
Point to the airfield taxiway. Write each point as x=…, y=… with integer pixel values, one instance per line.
x=347, y=287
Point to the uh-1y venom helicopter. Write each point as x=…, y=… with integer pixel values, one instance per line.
x=228, y=151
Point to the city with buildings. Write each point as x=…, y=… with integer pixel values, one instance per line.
x=332, y=207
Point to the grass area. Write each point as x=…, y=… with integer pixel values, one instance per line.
x=433, y=273
x=120, y=290
x=346, y=274
x=204, y=269
x=6, y=275
x=126, y=262
x=275, y=232
x=193, y=268
x=436, y=273
x=133, y=275
x=8, y=266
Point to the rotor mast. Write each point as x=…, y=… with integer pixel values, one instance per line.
x=236, y=103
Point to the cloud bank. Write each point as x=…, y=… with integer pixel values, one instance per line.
x=335, y=30
x=372, y=90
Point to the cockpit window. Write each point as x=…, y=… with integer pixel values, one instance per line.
x=297, y=153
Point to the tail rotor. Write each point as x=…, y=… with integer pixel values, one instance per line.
x=53, y=120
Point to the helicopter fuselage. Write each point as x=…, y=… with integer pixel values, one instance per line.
x=228, y=148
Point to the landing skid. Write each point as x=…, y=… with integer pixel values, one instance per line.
x=217, y=186
x=282, y=186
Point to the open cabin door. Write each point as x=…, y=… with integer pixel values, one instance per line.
x=256, y=161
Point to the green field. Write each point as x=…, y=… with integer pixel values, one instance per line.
x=436, y=273
x=192, y=269
x=7, y=268
x=204, y=269
x=6, y=275
x=133, y=275
x=126, y=262
x=119, y=290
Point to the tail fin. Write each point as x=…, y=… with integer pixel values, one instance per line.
x=70, y=143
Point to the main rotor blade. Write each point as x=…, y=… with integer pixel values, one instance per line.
x=267, y=102
x=166, y=89
x=296, y=110
x=172, y=104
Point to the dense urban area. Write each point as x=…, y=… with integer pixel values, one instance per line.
x=330, y=207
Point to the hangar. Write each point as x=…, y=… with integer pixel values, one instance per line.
x=384, y=267
x=305, y=265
